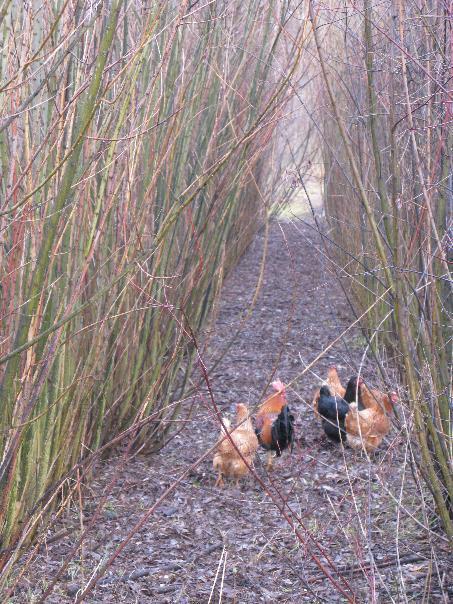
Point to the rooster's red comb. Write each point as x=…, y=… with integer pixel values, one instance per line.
x=278, y=385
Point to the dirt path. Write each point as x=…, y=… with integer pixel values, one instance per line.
x=343, y=503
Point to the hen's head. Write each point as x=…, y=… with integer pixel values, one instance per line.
x=332, y=372
x=390, y=401
x=242, y=412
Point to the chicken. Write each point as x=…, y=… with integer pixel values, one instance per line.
x=227, y=461
x=334, y=384
x=274, y=423
x=334, y=409
x=375, y=399
x=367, y=422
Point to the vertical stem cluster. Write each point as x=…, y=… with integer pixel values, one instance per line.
x=133, y=140
x=401, y=186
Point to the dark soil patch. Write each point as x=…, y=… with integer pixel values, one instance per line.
x=344, y=506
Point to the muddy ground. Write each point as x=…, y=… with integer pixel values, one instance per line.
x=364, y=521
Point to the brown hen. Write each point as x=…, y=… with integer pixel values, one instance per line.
x=367, y=425
x=227, y=460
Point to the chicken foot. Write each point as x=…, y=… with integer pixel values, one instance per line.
x=219, y=482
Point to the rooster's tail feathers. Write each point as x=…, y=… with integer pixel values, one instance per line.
x=283, y=431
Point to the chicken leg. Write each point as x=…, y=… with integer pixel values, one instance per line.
x=219, y=482
x=269, y=461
